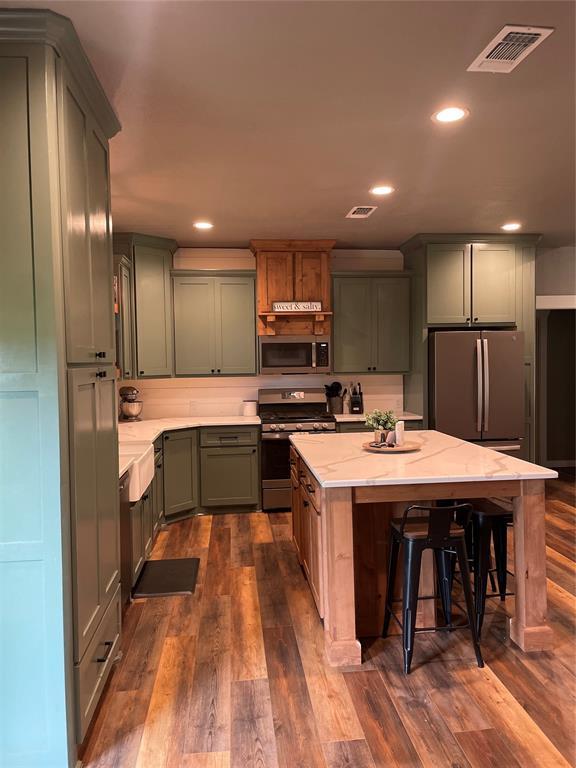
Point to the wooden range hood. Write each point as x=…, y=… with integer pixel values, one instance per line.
x=293, y=270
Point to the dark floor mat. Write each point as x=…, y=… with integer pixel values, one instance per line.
x=167, y=577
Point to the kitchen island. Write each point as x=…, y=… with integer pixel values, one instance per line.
x=346, y=498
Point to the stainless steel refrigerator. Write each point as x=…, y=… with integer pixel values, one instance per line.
x=476, y=386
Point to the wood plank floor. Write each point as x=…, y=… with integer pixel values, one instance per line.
x=233, y=676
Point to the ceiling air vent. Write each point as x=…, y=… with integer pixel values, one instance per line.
x=361, y=211
x=510, y=46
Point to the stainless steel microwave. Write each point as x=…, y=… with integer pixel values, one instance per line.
x=294, y=354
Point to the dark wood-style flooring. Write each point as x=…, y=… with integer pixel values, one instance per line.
x=234, y=677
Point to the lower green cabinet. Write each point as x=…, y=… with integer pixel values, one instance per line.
x=147, y=520
x=137, y=535
x=353, y=426
x=229, y=476
x=180, y=465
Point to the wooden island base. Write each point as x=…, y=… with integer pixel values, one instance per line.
x=354, y=557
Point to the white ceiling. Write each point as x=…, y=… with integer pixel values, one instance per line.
x=272, y=119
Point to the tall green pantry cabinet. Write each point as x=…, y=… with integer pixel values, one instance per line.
x=59, y=619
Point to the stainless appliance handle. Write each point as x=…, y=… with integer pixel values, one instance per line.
x=275, y=435
x=486, y=385
x=479, y=385
x=313, y=354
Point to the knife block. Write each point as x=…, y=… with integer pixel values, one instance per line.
x=356, y=404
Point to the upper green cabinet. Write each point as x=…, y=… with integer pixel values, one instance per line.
x=471, y=284
x=371, y=323
x=214, y=325
x=87, y=238
x=126, y=351
x=153, y=311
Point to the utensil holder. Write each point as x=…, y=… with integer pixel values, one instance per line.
x=335, y=404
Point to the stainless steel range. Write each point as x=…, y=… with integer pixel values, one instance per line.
x=283, y=411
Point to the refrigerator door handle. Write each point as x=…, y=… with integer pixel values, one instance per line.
x=479, y=385
x=486, y=385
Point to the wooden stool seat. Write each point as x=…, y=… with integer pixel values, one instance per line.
x=417, y=528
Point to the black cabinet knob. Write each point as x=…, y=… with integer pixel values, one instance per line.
x=212, y=370
x=101, y=374
x=101, y=355
x=219, y=371
x=126, y=373
x=475, y=319
x=141, y=373
x=166, y=437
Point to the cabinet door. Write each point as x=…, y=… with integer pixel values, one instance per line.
x=79, y=315
x=137, y=529
x=100, y=243
x=107, y=479
x=311, y=278
x=392, y=324
x=493, y=283
x=180, y=472
x=229, y=476
x=153, y=311
x=295, y=511
x=94, y=497
x=235, y=325
x=276, y=278
x=126, y=321
x=87, y=244
x=306, y=510
x=195, y=325
x=316, y=580
x=448, y=284
x=147, y=520
x=84, y=486
x=353, y=325
x=158, y=497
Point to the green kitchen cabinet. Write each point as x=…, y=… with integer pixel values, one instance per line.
x=158, y=494
x=352, y=426
x=493, y=283
x=137, y=532
x=95, y=510
x=471, y=284
x=153, y=310
x=229, y=476
x=87, y=232
x=448, y=284
x=353, y=327
x=148, y=520
x=126, y=353
x=214, y=325
x=372, y=323
x=180, y=464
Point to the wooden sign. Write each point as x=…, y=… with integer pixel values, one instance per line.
x=296, y=306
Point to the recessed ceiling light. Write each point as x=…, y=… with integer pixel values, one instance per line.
x=382, y=190
x=450, y=115
x=203, y=225
x=511, y=226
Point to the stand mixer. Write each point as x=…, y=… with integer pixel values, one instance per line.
x=130, y=406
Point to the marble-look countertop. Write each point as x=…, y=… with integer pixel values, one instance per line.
x=356, y=417
x=147, y=430
x=337, y=460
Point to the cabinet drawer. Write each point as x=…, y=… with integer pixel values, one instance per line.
x=226, y=436
x=93, y=670
x=409, y=425
x=311, y=485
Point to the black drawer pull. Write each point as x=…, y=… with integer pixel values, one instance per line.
x=141, y=373
x=109, y=644
x=101, y=374
x=101, y=355
x=126, y=373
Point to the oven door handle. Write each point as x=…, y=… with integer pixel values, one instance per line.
x=275, y=435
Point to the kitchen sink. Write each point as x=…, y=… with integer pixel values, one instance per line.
x=141, y=471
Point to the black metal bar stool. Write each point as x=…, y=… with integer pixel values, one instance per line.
x=437, y=531
x=489, y=523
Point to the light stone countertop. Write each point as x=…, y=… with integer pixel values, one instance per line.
x=338, y=460
x=345, y=418
x=147, y=430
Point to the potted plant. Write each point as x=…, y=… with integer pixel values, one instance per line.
x=382, y=422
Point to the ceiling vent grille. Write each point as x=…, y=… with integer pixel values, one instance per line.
x=510, y=46
x=361, y=211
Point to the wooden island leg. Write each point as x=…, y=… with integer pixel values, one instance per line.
x=342, y=647
x=529, y=628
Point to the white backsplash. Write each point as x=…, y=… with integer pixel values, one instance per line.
x=166, y=398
